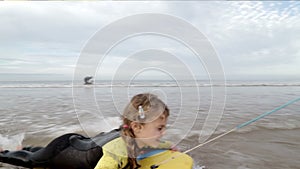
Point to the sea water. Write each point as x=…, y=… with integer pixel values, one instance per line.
x=34, y=113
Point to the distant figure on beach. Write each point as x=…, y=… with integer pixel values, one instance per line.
x=88, y=80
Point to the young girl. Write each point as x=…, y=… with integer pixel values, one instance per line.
x=144, y=123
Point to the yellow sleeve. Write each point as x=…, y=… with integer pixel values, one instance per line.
x=114, y=155
x=107, y=162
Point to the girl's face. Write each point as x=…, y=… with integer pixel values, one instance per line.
x=149, y=134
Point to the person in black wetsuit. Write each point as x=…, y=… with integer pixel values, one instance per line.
x=69, y=151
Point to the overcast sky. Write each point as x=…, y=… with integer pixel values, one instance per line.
x=40, y=40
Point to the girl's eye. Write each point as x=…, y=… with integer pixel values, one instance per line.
x=161, y=128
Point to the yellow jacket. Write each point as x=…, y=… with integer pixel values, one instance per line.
x=115, y=154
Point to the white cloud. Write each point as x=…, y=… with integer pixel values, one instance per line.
x=257, y=38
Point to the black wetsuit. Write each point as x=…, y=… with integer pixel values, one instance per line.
x=69, y=151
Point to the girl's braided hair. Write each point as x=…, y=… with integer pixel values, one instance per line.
x=153, y=108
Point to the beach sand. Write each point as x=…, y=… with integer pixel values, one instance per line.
x=263, y=149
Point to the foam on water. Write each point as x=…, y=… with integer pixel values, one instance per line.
x=198, y=167
x=11, y=142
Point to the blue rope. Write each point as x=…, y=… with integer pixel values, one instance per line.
x=234, y=129
x=267, y=113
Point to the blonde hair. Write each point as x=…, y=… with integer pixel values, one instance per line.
x=153, y=108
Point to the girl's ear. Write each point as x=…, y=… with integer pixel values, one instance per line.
x=136, y=127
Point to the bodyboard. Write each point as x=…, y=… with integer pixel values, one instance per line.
x=167, y=159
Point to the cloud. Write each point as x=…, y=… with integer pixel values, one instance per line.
x=251, y=38
x=258, y=38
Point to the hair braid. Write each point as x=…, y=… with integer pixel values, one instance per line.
x=128, y=136
x=149, y=102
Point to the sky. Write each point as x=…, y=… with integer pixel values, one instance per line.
x=252, y=40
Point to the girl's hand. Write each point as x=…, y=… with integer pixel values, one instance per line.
x=174, y=148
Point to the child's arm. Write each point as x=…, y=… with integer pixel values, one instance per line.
x=110, y=161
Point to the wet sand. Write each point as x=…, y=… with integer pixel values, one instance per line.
x=263, y=149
